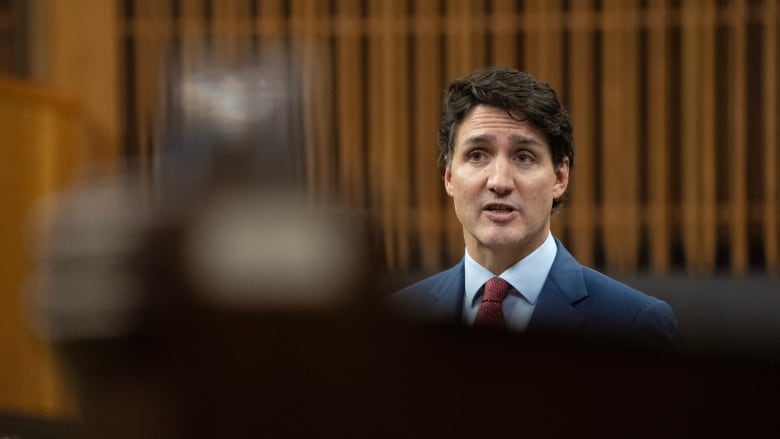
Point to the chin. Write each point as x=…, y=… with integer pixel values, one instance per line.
x=501, y=241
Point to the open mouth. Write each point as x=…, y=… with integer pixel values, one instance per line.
x=499, y=208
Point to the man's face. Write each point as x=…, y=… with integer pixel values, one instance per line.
x=502, y=181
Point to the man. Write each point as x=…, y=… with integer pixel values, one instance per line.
x=506, y=150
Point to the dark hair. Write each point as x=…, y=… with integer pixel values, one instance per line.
x=521, y=95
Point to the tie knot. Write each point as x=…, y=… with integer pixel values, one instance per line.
x=496, y=290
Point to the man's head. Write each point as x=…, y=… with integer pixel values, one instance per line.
x=516, y=92
x=506, y=151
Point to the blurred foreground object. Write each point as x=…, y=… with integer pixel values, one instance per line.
x=156, y=317
x=163, y=293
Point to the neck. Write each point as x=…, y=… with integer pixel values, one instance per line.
x=498, y=260
x=496, y=263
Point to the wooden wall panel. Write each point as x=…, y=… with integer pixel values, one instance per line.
x=646, y=83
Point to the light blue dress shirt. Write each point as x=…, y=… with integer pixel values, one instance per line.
x=527, y=278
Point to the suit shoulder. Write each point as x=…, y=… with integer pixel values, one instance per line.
x=422, y=296
x=646, y=315
x=600, y=284
x=425, y=287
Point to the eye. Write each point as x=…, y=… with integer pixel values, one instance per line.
x=524, y=157
x=477, y=155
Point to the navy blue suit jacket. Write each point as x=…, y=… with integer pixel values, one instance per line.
x=575, y=301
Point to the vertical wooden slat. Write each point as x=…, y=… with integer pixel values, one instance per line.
x=231, y=28
x=192, y=25
x=457, y=64
x=582, y=187
x=771, y=141
x=464, y=53
x=531, y=40
x=225, y=27
x=318, y=73
x=543, y=48
x=737, y=153
x=316, y=117
x=270, y=24
x=151, y=29
x=707, y=156
x=504, y=27
x=465, y=37
x=620, y=161
x=349, y=83
x=192, y=28
x=376, y=133
x=689, y=122
x=396, y=173
x=389, y=127
x=657, y=142
x=698, y=142
x=427, y=103
x=543, y=23
x=142, y=86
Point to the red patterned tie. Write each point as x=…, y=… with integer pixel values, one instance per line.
x=490, y=314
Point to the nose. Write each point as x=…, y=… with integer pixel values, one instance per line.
x=500, y=176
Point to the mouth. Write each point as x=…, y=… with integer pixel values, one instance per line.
x=499, y=212
x=498, y=208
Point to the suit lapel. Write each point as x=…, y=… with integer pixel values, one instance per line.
x=449, y=292
x=555, y=309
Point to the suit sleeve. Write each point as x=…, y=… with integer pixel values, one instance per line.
x=657, y=326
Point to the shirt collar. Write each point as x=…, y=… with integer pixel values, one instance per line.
x=527, y=276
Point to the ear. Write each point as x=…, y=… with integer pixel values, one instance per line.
x=561, y=178
x=448, y=180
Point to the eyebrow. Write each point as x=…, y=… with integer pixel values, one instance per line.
x=514, y=138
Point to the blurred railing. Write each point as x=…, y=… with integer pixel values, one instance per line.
x=675, y=107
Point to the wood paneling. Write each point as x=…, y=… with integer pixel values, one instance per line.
x=657, y=90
